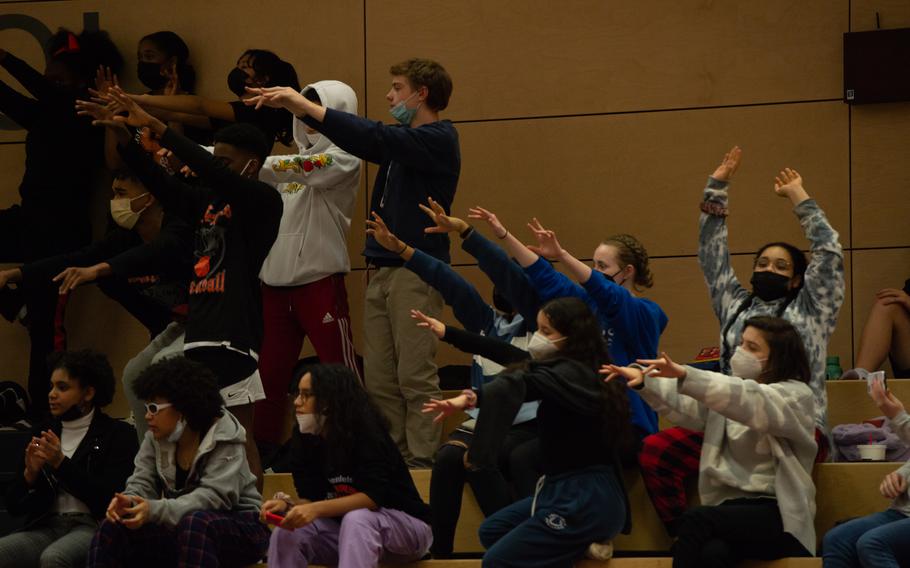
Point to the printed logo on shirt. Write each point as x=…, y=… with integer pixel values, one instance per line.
x=555, y=522
x=300, y=164
x=343, y=485
x=292, y=187
x=328, y=318
x=212, y=285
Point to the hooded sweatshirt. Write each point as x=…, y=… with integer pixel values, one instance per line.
x=219, y=478
x=318, y=187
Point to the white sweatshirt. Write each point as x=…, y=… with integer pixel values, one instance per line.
x=318, y=188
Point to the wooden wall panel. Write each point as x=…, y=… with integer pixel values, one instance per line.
x=643, y=174
x=12, y=166
x=515, y=58
x=880, y=175
x=892, y=14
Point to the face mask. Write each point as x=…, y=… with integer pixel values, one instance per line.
x=74, y=412
x=236, y=81
x=746, y=365
x=150, y=75
x=769, y=285
x=245, y=166
x=310, y=423
x=540, y=347
x=402, y=113
x=174, y=436
x=123, y=213
x=613, y=276
x=311, y=139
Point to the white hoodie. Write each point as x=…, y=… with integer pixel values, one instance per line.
x=318, y=188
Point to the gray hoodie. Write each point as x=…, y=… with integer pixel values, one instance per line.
x=900, y=425
x=219, y=479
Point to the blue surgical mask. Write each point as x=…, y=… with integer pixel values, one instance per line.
x=402, y=113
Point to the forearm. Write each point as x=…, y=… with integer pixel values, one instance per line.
x=579, y=270
x=332, y=508
x=797, y=196
x=301, y=106
x=517, y=250
x=12, y=275
x=192, y=104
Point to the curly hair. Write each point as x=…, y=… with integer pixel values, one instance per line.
x=190, y=386
x=280, y=73
x=585, y=343
x=629, y=250
x=90, y=368
x=800, y=264
x=349, y=412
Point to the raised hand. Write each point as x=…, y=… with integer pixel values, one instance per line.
x=172, y=87
x=136, y=116
x=437, y=327
x=74, y=276
x=885, y=400
x=633, y=375
x=490, y=218
x=663, y=367
x=729, y=165
x=890, y=296
x=893, y=485
x=446, y=407
x=275, y=97
x=101, y=114
x=379, y=231
x=788, y=183
x=105, y=79
x=444, y=223
x=547, y=245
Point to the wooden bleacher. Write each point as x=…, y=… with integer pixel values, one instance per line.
x=844, y=490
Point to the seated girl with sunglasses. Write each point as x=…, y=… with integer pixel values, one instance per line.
x=192, y=500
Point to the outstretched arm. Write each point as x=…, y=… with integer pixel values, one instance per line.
x=188, y=104
x=548, y=247
x=525, y=256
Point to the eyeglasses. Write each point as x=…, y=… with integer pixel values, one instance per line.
x=304, y=394
x=779, y=263
x=154, y=408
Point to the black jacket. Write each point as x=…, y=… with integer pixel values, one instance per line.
x=98, y=469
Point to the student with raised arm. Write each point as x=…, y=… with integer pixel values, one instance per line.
x=755, y=472
x=519, y=456
x=878, y=540
x=418, y=158
x=236, y=218
x=632, y=325
x=581, y=497
x=303, y=289
x=809, y=295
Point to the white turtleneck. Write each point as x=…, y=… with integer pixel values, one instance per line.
x=70, y=437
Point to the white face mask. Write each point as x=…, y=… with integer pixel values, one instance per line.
x=310, y=423
x=746, y=365
x=178, y=431
x=540, y=347
x=122, y=211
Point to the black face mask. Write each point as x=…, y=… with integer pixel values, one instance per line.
x=150, y=75
x=769, y=286
x=73, y=413
x=237, y=81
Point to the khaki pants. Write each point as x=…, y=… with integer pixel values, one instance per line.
x=399, y=359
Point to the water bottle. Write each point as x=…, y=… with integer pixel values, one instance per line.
x=832, y=368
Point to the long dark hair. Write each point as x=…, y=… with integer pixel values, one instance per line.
x=349, y=412
x=787, y=359
x=280, y=73
x=585, y=343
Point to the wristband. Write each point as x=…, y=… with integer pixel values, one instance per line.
x=464, y=234
x=504, y=236
x=714, y=208
x=401, y=252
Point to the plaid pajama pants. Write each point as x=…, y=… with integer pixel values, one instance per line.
x=669, y=461
x=201, y=539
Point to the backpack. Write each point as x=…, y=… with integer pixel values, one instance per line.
x=14, y=405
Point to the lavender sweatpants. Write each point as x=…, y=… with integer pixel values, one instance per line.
x=361, y=539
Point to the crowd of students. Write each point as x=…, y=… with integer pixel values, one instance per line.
x=231, y=257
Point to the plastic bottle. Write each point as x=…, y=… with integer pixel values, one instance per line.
x=832, y=368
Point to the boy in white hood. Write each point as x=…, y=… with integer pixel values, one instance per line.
x=303, y=292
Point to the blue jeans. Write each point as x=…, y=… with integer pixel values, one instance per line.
x=880, y=540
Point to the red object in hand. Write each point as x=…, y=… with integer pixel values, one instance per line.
x=273, y=519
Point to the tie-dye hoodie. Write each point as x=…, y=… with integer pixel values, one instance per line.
x=814, y=310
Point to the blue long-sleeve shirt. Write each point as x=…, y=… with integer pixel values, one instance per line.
x=632, y=325
x=475, y=314
x=414, y=164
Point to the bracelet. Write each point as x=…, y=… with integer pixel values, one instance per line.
x=714, y=208
x=401, y=252
x=504, y=236
x=464, y=234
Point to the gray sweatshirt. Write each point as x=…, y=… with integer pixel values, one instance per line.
x=219, y=478
x=814, y=310
x=759, y=440
x=900, y=425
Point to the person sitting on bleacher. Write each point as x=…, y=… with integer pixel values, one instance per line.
x=755, y=470
x=880, y=539
x=886, y=335
x=358, y=503
x=192, y=499
x=73, y=466
x=581, y=422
